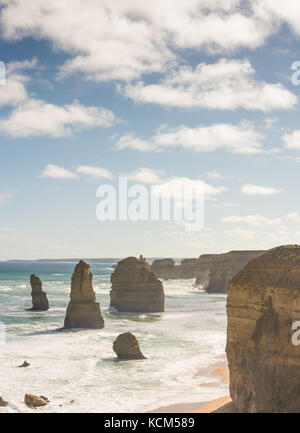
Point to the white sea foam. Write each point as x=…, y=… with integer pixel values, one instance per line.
x=182, y=347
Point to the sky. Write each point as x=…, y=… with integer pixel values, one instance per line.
x=171, y=92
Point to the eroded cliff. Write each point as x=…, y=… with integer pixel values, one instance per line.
x=223, y=267
x=263, y=302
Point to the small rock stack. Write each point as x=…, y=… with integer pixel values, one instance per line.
x=39, y=298
x=127, y=347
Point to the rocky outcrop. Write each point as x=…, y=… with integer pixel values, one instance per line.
x=34, y=401
x=166, y=268
x=224, y=266
x=202, y=270
x=3, y=403
x=262, y=305
x=39, y=297
x=127, y=347
x=83, y=311
x=135, y=288
x=24, y=365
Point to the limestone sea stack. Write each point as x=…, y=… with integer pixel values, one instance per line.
x=224, y=266
x=39, y=297
x=83, y=311
x=164, y=268
x=167, y=270
x=135, y=288
x=127, y=347
x=264, y=362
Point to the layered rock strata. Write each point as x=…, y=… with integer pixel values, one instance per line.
x=135, y=288
x=83, y=311
x=166, y=268
x=127, y=347
x=39, y=297
x=224, y=266
x=262, y=348
x=202, y=270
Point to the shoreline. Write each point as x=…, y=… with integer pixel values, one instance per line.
x=201, y=407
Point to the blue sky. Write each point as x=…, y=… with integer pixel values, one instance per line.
x=176, y=91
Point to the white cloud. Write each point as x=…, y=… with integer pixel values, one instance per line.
x=292, y=140
x=94, y=172
x=225, y=85
x=176, y=185
x=250, y=189
x=56, y=172
x=14, y=90
x=245, y=235
x=255, y=220
x=293, y=216
x=146, y=175
x=37, y=118
x=232, y=138
x=124, y=39
x=5, y=197
x=214, y=175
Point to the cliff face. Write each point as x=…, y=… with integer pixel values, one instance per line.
x=202, y=270
x=39, y=297
x=167, y=270
x=135, y=288
x=83, y=311
x=224, y=266
x=263, y=302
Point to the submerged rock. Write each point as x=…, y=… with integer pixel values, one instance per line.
x=127, y=347
x=262, y=305
x=25, y=364
x=3, y=403
x=135, y=288
x=39, y=297
x=34, y=401
x=83, y=311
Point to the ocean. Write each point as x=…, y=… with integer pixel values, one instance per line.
x=77, y=369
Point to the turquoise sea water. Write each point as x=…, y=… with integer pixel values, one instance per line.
x=182, y=346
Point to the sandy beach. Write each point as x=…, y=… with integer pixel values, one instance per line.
x=203, y=407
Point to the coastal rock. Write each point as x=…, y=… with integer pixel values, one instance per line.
x=202, y=270
x=224, y=266
x=3, y=403
x=135, y=288
x=34, y=401
x=127, y=347
x=166, y=269
x=25, y=364
x=83, y=311
x=262, y=305
x=39, y=297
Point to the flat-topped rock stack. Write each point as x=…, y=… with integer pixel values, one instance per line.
x=39, y=297
x=223, y=267
x=262, y=305
x=83, y=311
x=135, y=288
x=167, y=270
